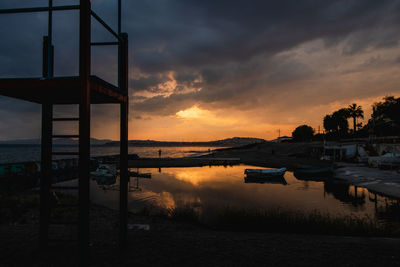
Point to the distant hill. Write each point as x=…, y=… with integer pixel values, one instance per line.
x=230, y=142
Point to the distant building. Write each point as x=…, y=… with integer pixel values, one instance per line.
x=283, y=139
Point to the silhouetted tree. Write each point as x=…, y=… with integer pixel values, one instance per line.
x=389, y=109
x=340, y=118
x=355, y=112
x=329, y=124
x=385, y=119
x=336, y=124
x=303, y=133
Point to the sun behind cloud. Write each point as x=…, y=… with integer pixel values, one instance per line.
x=206, y=118
x=194, y=113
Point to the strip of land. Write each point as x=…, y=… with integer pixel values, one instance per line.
x=172, y=243
x=291, y=155
x=181, y=162
x=385, y=182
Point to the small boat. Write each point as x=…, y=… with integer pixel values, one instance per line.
x=386, y=160
x=140, y=175
x=104, y=175
x=310, y=171
x=265, y=172
x=104, y=170
x=105, y=180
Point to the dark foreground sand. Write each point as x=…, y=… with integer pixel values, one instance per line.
x=171, y=243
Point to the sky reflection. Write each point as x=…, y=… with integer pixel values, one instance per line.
x=216, y=187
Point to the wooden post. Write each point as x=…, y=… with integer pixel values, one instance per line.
x=84, y=130
x=45, y=179
x=46, y=150
x=123, y=202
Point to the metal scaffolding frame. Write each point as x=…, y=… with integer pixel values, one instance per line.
x=84, y=90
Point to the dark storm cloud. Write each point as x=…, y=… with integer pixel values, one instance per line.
x=227, y=49
x=145, y=83
x=211, y=32
x=222, y=42
x=228, y=85
x=165, y=106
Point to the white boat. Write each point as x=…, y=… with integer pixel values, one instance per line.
x=265, y=172
x=388, y=159
x=104, y=170
x=105, y=174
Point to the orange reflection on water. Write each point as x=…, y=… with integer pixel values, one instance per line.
x=208, y=188
x=202, y=175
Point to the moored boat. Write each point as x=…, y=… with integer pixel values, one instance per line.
x=140, y=175
x=313, y=171
x=104, y=170
x=104, y=175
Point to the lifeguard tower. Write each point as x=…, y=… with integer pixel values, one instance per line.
x=83, y=90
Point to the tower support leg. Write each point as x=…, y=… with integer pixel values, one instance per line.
x=45, y=170
x=123, y=201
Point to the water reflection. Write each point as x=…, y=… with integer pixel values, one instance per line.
x=345, y=193
x=219, y=187
x=225, y=186
x=261, y=180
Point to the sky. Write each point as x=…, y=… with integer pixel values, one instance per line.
x=206, y=70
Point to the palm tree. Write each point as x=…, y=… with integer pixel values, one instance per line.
x=336, y=123
x=355, y=112
x=340, y=119
x=329, y=124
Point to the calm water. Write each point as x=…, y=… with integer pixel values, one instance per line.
x=210, y=188
x=9, y=154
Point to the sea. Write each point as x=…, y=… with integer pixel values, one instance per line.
x=210, y=188
x=24, y=153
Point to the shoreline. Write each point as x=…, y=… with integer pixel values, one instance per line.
x=178, y=243
x=274, y=155
x=291, y=155
x=380, y=181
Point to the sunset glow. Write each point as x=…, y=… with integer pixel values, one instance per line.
x=193, y=113
x=201, y=80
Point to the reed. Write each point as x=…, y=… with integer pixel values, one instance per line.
x=284, y=221
x=14, y=208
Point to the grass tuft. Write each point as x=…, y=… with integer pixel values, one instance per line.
x=283, y=221
x=315, y=222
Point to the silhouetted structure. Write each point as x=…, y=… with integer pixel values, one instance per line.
x=84, y=90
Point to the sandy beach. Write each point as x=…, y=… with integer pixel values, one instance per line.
x=171, y=243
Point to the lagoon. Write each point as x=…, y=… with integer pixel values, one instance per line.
x=209, y=189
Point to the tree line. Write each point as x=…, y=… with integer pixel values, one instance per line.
x=384, y=121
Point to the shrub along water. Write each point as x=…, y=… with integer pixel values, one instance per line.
x=284, y=221
x=23, y=208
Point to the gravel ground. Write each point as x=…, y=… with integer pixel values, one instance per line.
x=385, y=182
x=170, y=243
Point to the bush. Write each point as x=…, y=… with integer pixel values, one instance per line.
x=303, y=133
